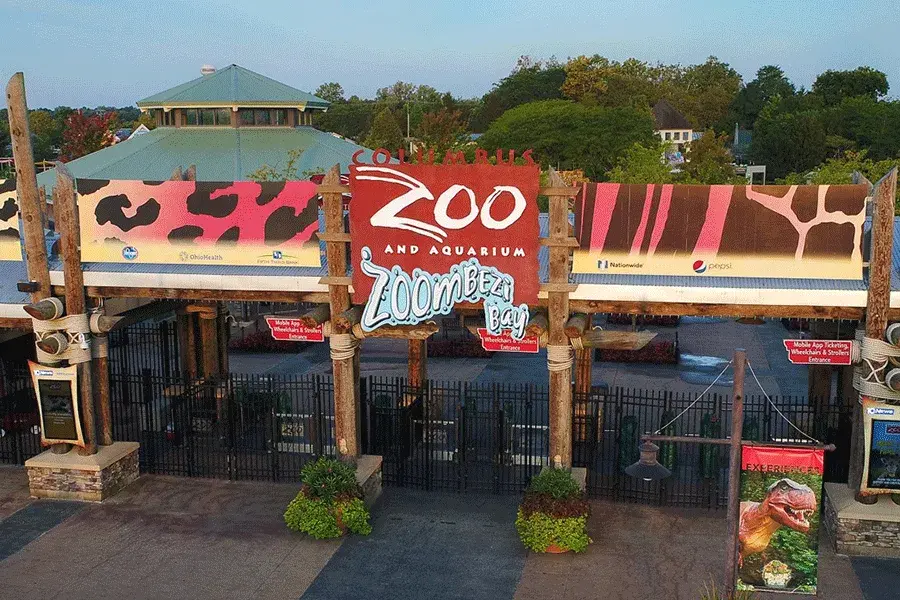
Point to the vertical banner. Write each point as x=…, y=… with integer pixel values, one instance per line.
x=881, y=427
x=56, y=389
x=781, y=491
x=10, y=246
x=237, y=223
x=427, y=237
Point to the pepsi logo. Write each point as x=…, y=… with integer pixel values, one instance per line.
x=699, y=266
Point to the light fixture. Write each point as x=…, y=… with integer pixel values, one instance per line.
x=647, y=467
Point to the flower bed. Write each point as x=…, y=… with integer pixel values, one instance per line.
x=553, y=515
x=329, y=503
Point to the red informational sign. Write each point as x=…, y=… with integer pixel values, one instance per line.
x=505, y=342
x=293, y=330
x=819, y=352
x=433, y=217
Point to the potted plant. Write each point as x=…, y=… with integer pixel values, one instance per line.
x=553, y=515
x=329, y=503
x=776, y=574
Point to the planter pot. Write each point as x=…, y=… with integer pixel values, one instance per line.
x=776, y=580
x=554, y=549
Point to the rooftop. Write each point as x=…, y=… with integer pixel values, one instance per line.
x=667, y=116
x=233, y=86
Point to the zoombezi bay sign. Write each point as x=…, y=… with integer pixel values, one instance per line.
x=427, y=237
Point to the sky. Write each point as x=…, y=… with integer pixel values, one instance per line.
x=113, y=53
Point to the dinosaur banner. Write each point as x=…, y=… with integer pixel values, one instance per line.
x=10, y=246
x=781, y=492
x=881, y=427
x=804, y=231
x=199, y=222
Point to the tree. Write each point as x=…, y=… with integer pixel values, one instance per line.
x=46, y=132
x=529, y=81
x=834, y=86
x=385, y=132
x=442, y=130
x=351, y=119
x=642, y=164
x=839, y=170
x=332, y=92
x=770, y=83
x=570, y=135
x=705, y=92
x=786, y=142
x=84, y=134
x=708, y=160
x=289, y=172
x=146, y=119
x=866, y=124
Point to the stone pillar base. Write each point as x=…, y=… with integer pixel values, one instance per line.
x=368, y=476
x=860, y=529
x=88, y=478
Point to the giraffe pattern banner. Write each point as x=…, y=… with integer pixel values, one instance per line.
x=798, y=231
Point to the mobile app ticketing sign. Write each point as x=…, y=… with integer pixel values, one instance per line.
x=819, y=352
x=427, y=237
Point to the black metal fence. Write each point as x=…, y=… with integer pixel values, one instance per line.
x=461, y=436
x=142, y=346
x=607, y=425
x=20, y=434
x=260, y=427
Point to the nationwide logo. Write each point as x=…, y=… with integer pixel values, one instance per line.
x=602, y=264
x=129, y=253
x=699, y=266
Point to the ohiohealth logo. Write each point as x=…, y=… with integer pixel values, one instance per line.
x=129, y=253
x=699, y=266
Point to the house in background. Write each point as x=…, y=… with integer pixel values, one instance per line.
x=228, y=123
x=671, y=126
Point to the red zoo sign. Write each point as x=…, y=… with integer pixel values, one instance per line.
x=819, y=352
x=504, y=343
x=432, y=217
x=293, y=330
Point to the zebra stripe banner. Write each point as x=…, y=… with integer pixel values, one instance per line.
x=800, y=231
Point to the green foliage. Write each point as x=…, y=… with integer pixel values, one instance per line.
x=286, y=173
x=538, y=530
x=329, y=479
x=642, y=164
x=332, y=92
x=351, y=119
x=786, y=142
x=834, y=86
x=323, y=519
x=709, y=161
x=569, y=134
x=839, y=170
x=556, y=483
x=770, y=83
x=712, y=592
x=530, y=81
x=385, y=132
x=442, y=130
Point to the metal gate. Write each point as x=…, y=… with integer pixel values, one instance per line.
x=240, y=427
x=459, y=436
x=20, y=429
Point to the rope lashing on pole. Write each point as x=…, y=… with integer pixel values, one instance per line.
x=77, y=332
x=559, y=358
x=343, y=346
x=872, y=373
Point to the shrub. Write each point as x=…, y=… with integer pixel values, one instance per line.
x=329, y=502
x=553, y=512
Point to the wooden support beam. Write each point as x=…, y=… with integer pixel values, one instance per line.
x=616, y=340
x=209, y=345
x=26, y=188
x=101, y=373
x=346, y=370
x=110, y=291
x=316, y=316
x=577, y=324
x=70, y=250
x=400, y=332
x=537, y=324
x=418, y=362
x=347, y=319
x=223, y=329
x=187, y=344
x=877, y=305
x=177, y=174
x=692, y=309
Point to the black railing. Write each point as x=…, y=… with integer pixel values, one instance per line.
x=142, y=346
x=607, y=425
x=461, y=436
x=261, y=427
x=20, y=434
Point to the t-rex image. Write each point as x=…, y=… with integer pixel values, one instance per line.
x=786, y=503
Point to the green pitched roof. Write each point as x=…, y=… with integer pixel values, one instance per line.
x=220, y=154
x=233, y=86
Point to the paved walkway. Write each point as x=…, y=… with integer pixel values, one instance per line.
x=176, y=538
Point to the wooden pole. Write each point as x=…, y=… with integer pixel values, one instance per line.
x=877, y=304
x=209, y=344
x=418, y=363
x=223, y=329
x=70, y=249
x=734, y=471
x=557, y=316
x=101, y=380
x=26, y=188
x=346, y=371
